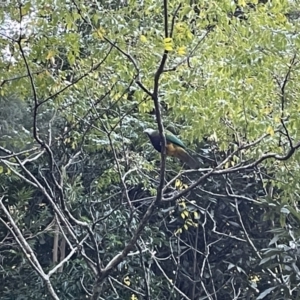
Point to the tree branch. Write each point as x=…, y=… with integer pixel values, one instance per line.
x=26, y=249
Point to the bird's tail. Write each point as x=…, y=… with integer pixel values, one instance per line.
x=188, y=159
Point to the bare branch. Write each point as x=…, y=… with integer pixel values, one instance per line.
x=26, y=249
x=169, y=279
x=145, y=273
x=155, y=98
x=190, y=54
x=174, y=19
x=76, y=80
x=251, y=243
x=125, y=190
x=229, y=195
x=218, y=171
x=8, y=164
x=67, y=258
x=126, y=287
x=20, y=77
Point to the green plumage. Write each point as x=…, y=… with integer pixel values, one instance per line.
x=171, y=138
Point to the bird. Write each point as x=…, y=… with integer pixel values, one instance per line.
x=174, y=147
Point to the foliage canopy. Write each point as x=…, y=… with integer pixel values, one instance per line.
x=89, y=210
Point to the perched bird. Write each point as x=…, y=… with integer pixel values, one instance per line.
x=174, y=147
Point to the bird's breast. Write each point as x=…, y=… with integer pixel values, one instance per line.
x=171, y=149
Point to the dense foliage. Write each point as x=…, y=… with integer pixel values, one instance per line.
x=89, y=210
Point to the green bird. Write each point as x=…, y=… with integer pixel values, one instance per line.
x=174, y=147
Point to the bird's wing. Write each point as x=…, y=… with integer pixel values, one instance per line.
x=173, y=139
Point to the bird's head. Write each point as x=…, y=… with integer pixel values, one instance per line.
x=149, y=131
